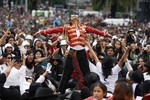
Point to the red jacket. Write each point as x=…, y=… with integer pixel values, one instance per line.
x=71, y=33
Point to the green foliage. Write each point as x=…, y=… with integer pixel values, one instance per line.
x=120, y=5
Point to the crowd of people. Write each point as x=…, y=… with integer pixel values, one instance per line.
x=49, y=58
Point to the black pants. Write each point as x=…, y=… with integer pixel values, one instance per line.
x=68, y=69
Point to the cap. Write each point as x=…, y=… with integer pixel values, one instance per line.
x=63, y=42
x=37, y=40
x=7, y=45
x=74, y=17
x=30, y=37
x=131, y=30
x=24, y=43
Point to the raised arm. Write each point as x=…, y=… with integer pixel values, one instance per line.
x=123, y=58
x=92, y=52
x=96, y=31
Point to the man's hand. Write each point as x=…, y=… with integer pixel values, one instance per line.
x=7, y=33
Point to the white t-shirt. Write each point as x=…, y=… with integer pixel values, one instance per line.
x=2, y=68
x=15, y=77
x=110, y=81
x=27, y=72
x=146, y=76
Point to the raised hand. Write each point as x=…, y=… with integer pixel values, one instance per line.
x=7, y=33
x=11, y=63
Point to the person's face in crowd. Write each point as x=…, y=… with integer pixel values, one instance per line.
x=123, y=42
x=18, y=65
x=110, y=52
x=27, y=47
x=133, y=46
x=148, y=48
x=9, y=49
x=9, y=57
x=64, y=47
x=38, y=55
x=38, y=43
x=11, y=41
x=30, y=57
x=55, y=62
x=66, y=53
x=98, y=93
x=103, y=43
x=117, y=44
x=141, y=62
x=107, y=42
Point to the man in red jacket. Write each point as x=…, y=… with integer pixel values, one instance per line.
x=75, y=34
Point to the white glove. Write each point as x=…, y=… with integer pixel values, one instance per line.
x=50, y=85
x=49, y=66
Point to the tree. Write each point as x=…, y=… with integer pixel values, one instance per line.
x=114, y=5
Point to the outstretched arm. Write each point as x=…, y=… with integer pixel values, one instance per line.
x=96, y=31
x=52, y=30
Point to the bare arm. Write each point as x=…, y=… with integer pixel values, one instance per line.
x=45, y=48
x=41, y=59
x=92, y=52
x=3, y=38
x=123, y=58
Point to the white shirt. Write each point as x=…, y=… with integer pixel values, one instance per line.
x=78, y=32
x=26, y=85
x=94, y=69
x=146, y=76
x=77, y=47
x=110, y=81
x=2, y=68
x=15, y=77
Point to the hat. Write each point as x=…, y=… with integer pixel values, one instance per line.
x=24, y=43
x=63, y=42
x=43, y=93
x=131, y=30
x=8, y=45
x=114, y=37
x=147, y=64
x=37, y=40
x=30, y=37
x=74, y=17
